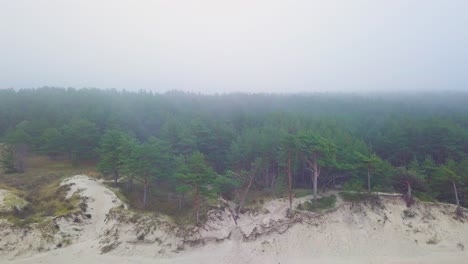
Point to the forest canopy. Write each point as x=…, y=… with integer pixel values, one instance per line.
x=413, y=143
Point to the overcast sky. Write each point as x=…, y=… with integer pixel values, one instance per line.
x=223, y=46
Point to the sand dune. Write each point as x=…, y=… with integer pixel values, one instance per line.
x=385, y=232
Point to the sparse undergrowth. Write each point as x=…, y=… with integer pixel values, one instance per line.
x=358, y=197
x=318, y=205
x=408, y=214
x=432, y=241
x=40, y=188
x=302, y=192
x=11, y=202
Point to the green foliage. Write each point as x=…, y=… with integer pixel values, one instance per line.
x=355, y=185
x=319, y=205
x=312, y=146
x=445, y=179
x=52, y=142
x=149, y=161
x=80, y=138
x=112, y=149
x=424, y=196
x=18, y=135
x=227, y=183
x=348, y=133
x=281, y=185
x=403, y=177
x=7, y=159
x=196, y=174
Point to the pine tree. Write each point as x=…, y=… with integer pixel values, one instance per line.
x=195, y=174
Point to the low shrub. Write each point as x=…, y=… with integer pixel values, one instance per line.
x=318, y=205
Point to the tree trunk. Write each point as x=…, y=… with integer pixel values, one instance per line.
x=129, y=184
x=20, y=152
x=315, y=185
x=368, y=179
x=116, y=177
x=316, y=173
x=145, y=192
x=245, y=194
x=409, y=190
x=289, y=180
x=456, y=194
x=197, y=203
x=181, y=199
x=303, y=179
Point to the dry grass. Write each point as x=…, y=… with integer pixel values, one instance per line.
x=40, y=187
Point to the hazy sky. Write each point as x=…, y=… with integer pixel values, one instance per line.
x=221, y=46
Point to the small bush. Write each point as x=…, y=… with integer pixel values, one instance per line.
x=318, y=205
x=432, y=241
x=408, y=214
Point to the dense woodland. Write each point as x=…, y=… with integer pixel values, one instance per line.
x=207, y=145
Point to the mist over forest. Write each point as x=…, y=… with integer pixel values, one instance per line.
x=234, y=132
x=424, y=133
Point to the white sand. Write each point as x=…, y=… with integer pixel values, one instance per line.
x=349, y=234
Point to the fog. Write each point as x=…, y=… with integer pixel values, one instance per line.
x=213, y=46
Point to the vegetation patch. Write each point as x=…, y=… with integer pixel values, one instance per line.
x=318, y=205
x=432, y=241
x=358, y=197
x=408, y=214
x=425, y=197
x=37, y=194
x=10, y=202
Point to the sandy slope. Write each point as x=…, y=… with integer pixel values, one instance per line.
x=100, y=200
x=350, y=234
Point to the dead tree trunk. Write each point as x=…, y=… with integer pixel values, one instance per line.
x=146, y=184
x=456, y=194
x=408, y=193
x=316, y=175
x=316, y=172
x=241, y=205
x=234, y=217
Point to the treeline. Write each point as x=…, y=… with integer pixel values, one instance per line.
x=414, y=143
